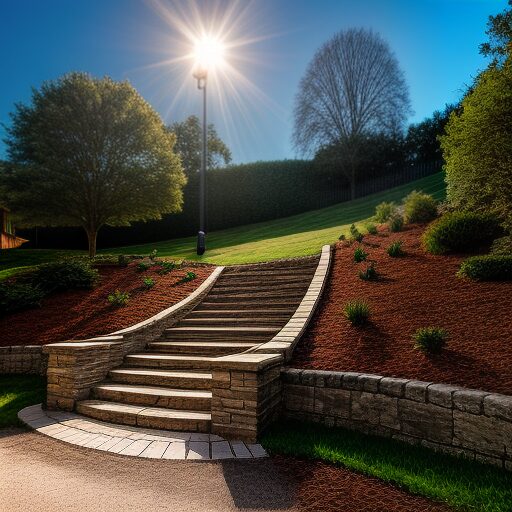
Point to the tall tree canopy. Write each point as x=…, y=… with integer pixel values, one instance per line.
x=352, y=89
x=188, y=145
x=499, y=30
x=89, y=152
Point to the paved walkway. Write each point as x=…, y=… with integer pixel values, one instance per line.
x=40, y=474
x=136, y=442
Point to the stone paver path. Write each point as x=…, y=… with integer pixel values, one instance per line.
x=79, y=430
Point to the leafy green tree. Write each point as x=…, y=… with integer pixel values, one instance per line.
x=499, y=30
x=477, y=146
x=90, y=152
x=188, y=145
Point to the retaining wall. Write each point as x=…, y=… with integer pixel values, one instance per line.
x=450, y=419
x=23, y=359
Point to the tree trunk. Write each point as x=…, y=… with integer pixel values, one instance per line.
x=91, y=237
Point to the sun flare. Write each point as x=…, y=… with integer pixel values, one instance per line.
x=209, y=53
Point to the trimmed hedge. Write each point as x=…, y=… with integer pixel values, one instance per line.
x=490, y=267
x=461, y=232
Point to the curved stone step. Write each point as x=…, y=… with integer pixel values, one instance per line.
x=282, y=314
x=148, y=417
x=219, y=334
x=171, y=362
x=223, y=321
x=199, y=348
x=257, y=296
x=153, y=396
x=173, y=379
x=261, y=289
x=290, y=305
x=235, y=280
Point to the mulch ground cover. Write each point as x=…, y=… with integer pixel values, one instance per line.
x=79, y=314
x=412, y=291
x=326, y=488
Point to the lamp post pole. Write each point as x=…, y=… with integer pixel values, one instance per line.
x=201, y=76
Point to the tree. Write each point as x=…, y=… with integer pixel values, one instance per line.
x=477, y=146
x=89, y=152
x=188, y=145
x=499, y=30
x=352, y=89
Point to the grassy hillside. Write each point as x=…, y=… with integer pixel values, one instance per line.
x=298, y=235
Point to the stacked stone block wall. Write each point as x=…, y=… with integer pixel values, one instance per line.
x=23, y=359
x=450, y=419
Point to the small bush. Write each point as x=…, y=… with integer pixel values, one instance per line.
x=118, y=298
x=430, y=339
x=64, y=275
x=19, y=296
x=360, y=255
x=395, y=249
x=342, y=237
x=502, y=245
x=461, y=232
x=396, y=223
x=369, y=273
x=152, y=255
x=355, y=234
x=357, y=312
x=189, y=276
x=491, y=267
x=166, y=267
x=419, y=207
x=123, y=260
x=384, y=211
x=148, y=283
x=143, y=266
x=371, y=228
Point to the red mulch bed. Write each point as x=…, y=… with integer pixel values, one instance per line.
x=326, y=488
x=413, y=291
x=80, y=314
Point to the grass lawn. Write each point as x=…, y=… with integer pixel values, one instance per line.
x=17, y=392
x=457, y=482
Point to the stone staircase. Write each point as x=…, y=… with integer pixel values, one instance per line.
x=168, y=386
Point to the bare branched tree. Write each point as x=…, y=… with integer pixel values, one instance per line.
x=353, y=89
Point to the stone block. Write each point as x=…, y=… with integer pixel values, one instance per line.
x=441, y=394
x=469, y=400
x=416, y=390
x=369, y=382
x=351, y=381
x=298, y=398
x=499, y=406
x=332, y=402
x=392, y=386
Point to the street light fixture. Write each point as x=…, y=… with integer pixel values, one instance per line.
x=208, y=54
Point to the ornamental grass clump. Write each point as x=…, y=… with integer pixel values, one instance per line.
x=430, y=339
x=384, y=211
x=419, y=207
x=395, y=249
x=396, y=223
x=355, y=234
x=360, y=255
x=371, y=228
x=369, y=273
x=357, y=312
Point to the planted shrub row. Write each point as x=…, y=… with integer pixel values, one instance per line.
x=490, y=267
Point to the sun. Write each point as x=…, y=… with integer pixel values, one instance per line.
x=209, y=53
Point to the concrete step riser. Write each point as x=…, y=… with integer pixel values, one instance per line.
x=260, y=290
x=219, y=338
x=257, y=299
x=282, y=270
x=165, y=402
x=265, y=281
x=169, y=382
x=175, y=364
x=232, y=322
x=277, y=316
x=247, y=306
x=200, y=351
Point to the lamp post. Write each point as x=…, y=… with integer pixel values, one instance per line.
x=201, y=75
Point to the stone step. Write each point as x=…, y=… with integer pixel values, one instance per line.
x=153, y=396
x=147, y=417
x=289, y=305
x=258, y=298
x=172, y=379
x=169, y=362
x=233, y=322
x=261, y=289
x=194, y=348
x=277, y=314
x=219, y=333
x=267, y=269
x=234, y=280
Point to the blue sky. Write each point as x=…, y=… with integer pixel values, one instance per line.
x=435, y=41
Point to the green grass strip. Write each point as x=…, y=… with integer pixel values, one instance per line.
x=458, y=482
x=16, y=393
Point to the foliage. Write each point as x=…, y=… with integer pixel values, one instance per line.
x=396, y=223
x=148, y=283
x=395, y=249
x=152, y=254
x=16, y=393
x=118, y=298
x=371, y=228
x=342, y=101
x=461, y=232
x=189, y=276
x=477, y=147
x=360, y=255
x=490, y=267
x=67, y=172
x=384, y=211
x=142, y=266
x=369, y=273
x=499, y=30
x=357, y=312
x=188, y=145
x=419, y=207
x=502, y=245
x=342, y=237
x=166, y=266
x=19, y=296
x=123, y=260
x=430, y=339
x=65, y=275
x=355, y=234
x=462, y=484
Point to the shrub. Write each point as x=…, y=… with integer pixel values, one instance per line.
x=502, y=245
x=395, y=249
x=355, y=234
x=118, y=298
x=491, y=267
x=357, y=312
x=189, y=276
x=369, y=273
x=461, y=232
x=430, y=339
x=19, y=296
x=419, y=207
x=65, y=275
x=123, y=260
x=384, y=211
x=371, y=228
x=148, y=283
x=396, y=223
x=143, y=266
x=342, y=237
x=152, y=255
x=166, y=266
x=360, y=255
